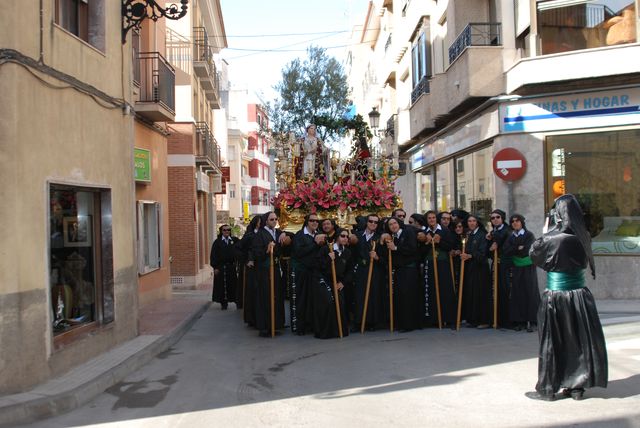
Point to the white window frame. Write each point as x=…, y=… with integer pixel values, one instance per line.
x=149, y=236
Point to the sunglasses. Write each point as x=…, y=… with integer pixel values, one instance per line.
x=401, y=216
x=273, y=219
x=494, y=217
x=226, y=230
x=445, y=218
x=313, y=220
x=515, y=220
x=344, y=236
x=372, y=221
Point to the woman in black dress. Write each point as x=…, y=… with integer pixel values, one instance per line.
x=223, y=261
x=477, y=278
x=248, y=271
x=325, y=320
x=572, y=353
x=524, y=295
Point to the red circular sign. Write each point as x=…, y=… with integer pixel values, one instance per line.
x=509, y=164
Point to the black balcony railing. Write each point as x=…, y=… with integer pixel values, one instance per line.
x=388, y=43
x=476, y=34
x=391, y=126
x=207, y=147
x=135, y=42
x=421, y=88
x=157, y=80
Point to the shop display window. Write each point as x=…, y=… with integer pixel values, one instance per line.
x=445, y=186
x=475, y=183
x=602, y=171
x=76, y=254
x=575, y=25
x=425, y=191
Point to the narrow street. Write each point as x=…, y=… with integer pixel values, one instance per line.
x=222, y=374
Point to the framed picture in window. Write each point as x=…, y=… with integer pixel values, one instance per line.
x=77, y=231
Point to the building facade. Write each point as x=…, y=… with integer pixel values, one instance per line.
x=68, y=270
x=259, y=178
x=556, y=81
x=194, y=153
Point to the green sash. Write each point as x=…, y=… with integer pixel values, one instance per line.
x=565, y=281
x=522, y=261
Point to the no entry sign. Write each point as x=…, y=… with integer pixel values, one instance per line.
x=509, y=164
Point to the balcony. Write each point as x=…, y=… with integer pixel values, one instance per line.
x=421, y=88
x=476, y=34
x=157, y=88
x=207, y=149
x=391, y=126
x=204, y=66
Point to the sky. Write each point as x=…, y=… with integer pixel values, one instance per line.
x=281, y=30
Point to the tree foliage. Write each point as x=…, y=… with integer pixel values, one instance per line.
x=313, y=90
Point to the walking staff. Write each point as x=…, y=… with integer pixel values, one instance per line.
x=390, y=239
x=368, y=289
x=460, y=286
x=495, y=288
x=336, y=296
x=272, y=290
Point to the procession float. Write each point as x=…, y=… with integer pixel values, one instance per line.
x=313, y=178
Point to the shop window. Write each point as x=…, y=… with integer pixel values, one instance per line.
x=602, y=171
x=425, y=190
x=574, y=25
x=81, y=276
x=232, y=190
x=149, y=236
x=475, y=183
x=444, y=186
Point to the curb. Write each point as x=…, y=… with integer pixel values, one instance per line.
x=91, y=378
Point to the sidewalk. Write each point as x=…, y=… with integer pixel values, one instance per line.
x=162, y=324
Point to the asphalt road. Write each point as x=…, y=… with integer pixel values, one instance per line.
x=221, y=374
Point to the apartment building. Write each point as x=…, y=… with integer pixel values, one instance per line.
x=557, y=81
x=260, y=161
x=194, y=152
x=68, y=270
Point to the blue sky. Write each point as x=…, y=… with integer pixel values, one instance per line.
x=290, y=25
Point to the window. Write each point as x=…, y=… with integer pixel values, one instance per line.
x=81, y=281
x=425, y=190
x=231, y=153
x=420, y=66
x=602, y=170
x=149, y=237
x=444, y=186
x=565, y=25
x=232, y=190
x=265, y=198
x=475, y=183
x=84, y=19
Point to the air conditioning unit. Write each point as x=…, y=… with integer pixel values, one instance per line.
x=217, y=184
x=202, y=182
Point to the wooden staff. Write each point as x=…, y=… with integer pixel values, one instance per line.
x=460, y=287
x=437, y=282
x=336, y=296
x=495, y=288
x=272, y=292
x=390, y=290
x=368, y=288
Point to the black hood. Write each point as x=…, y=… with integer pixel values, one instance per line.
x=569, y=218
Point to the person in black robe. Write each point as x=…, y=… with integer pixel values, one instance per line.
x=376, y=314
x=459, y=233
x=476, y=294
x=572, y=353
x=330, y=228
x=223, y=261
x=248, y=271
x=524, y=296
x=267, y=240
x=497, y=237
x=407, y=294
x=325, y=320
x=444, y=220
x=443, y=242
x=306, y=244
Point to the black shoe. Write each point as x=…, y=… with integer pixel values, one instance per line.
x=535, y=395
x=264, y=334
x=225, y=306
x=577, y=394
x=518, y=327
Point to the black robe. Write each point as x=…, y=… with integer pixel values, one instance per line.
x=407, y=290
x=262, y=280
x=223, y=259
x=504, y=269
x=325, y=320
x=477, y=304
x=376, y=314
x=524, y=296
x=303, y=260
x=247, y=275
x=572, y=351
x=448, y=296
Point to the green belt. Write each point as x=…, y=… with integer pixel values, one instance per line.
x=522, y=261
x=564, y=281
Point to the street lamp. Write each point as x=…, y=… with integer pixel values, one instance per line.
x=374, y=119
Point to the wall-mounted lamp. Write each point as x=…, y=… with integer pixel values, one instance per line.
x=374, y=121
x=136, y=11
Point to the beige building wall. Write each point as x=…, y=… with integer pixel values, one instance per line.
x=60, y=136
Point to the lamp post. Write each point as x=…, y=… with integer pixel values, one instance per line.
x=374, y=121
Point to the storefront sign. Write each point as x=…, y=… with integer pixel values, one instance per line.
x=142, y=168
x=574, y=111
x=509, y=164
